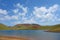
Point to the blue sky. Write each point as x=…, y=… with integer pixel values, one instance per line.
x=42, y=12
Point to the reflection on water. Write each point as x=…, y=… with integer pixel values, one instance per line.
x=37, y=34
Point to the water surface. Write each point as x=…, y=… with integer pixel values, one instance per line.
x=35, y=34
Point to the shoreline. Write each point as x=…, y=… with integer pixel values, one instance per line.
x=12, y=38
x=52, y=31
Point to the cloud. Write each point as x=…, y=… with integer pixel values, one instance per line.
x=40, y=15
x=15, y=17
x=3, y=11
x=7, y=17
x=53, y=8
x=44, y=13
x=25, y=21
x=39, y=12
x=17, y=10
x=29, y=21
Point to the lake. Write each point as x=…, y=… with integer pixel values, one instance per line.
x=35, y=34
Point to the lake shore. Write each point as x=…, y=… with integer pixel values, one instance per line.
x=56, y=31
x=12, y=38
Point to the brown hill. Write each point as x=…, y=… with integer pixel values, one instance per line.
x=26, y=26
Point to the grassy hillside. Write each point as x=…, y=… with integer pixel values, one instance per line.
x=4, y=27
x=26, y=27
x=55, y=28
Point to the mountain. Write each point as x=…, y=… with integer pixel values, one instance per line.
x=54, y=28
x=26, y=26
x=4, y=27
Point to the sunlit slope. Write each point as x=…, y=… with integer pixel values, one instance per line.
x=4, y=27
x=26, y=27
x=54, y=28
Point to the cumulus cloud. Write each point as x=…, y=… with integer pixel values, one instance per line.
x=3, y=11
x=17, y=10
x=15, y=17
x=29, y=21
x=25, y=21
x=7, y=17
x=53, y=8
x=39, y=12
x=38, y=15
x=44, y=13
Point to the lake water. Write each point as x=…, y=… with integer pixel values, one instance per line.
x=35, y=34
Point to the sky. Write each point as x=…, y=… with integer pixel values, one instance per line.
x=42, y=12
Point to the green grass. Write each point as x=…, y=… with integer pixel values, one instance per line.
x=4, y=27
x=54, y=28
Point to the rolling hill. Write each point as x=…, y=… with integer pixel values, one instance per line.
x=26, y=26
x=4, y=27
x=54, y=28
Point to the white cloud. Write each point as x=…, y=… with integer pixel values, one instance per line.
x=3, y=11
x=25, y=21
x=19, y=5
x=53, y=8
x=44, y=13
x=39, y=14
x=15, y=17
x=7, y=17
x=17, y=10
x=29, y=21
x=24, y=12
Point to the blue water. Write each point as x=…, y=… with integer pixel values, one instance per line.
x=36, y=34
